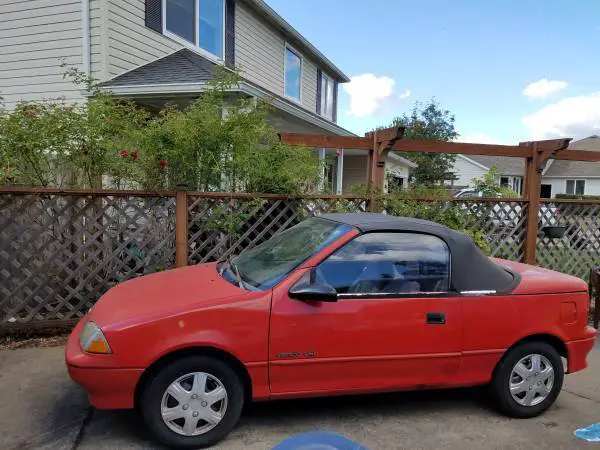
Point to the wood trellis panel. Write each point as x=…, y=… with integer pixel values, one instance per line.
x=220, y=227
x=579, y=249
x=60, y=252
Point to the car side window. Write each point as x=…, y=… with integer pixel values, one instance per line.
x=388, y=263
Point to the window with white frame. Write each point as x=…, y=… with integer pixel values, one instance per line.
x=293, y=73
x=576, y=187
x=197, y=22
x=327, y=87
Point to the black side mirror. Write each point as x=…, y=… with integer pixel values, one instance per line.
x=317, y=292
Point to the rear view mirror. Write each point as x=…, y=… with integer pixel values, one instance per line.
x=316, y=292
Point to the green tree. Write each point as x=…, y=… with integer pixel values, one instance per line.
x=429, y=121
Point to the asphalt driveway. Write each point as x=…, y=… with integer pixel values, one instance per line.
x=41, y=408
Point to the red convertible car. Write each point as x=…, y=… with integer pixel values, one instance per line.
x=344, y=303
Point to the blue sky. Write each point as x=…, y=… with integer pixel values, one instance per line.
x=477, y=58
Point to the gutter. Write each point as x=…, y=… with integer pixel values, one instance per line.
x=86, y=37
x=179, y=89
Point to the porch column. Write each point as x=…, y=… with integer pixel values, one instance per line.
x=339, y=179
x=322, y=153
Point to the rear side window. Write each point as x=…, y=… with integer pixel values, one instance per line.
x=388, y=263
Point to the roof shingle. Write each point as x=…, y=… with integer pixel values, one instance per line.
x=183, y=66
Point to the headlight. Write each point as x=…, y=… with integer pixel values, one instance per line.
x=92, y=339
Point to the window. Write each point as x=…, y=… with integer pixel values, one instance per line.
x=388, y=263
x=576, y=187
x=504, y=181
x=198, y=22
x=264, y=266
x=327, y=87
x=293, y=73
x=516, y=184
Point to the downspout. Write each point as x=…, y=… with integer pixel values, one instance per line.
x=86, y=41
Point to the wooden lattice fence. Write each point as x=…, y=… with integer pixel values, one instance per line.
x=579, y=248
x=61, y=250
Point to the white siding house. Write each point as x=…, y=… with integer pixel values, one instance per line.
x=558, y=177
x=465, y=169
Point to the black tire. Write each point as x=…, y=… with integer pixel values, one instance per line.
x=499, y=387
x=156, y=387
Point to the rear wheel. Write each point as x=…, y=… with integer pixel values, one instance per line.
x=528, y=380
x=193, y=402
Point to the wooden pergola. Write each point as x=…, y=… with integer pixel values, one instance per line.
x=379, y=143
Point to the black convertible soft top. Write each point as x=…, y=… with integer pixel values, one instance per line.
x=471, y=269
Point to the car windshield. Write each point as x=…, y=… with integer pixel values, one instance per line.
x=264, y=266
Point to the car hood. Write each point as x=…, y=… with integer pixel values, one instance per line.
x=536, y=280
x=164, y=294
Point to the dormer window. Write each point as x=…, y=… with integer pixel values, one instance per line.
x=200, y=23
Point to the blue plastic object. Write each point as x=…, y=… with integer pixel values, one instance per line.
x=590, y=434
x=319, y=441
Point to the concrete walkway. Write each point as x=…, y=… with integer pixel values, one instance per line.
x=41, y=408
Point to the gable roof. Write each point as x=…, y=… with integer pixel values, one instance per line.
x=183, y=66
x=506, y=165
x=560, y=168
x=300, y=41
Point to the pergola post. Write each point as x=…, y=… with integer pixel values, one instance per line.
x=539, y=153
x=383, y=141
x=532, y=194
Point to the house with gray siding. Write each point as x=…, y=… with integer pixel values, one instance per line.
x=159, y=51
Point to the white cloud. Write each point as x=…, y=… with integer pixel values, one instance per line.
x=575, y=117
x=368, y=93
x=543, y=88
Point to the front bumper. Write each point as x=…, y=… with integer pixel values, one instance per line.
x=107, y=387
x=578, y=351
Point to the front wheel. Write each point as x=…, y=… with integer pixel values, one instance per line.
x=193, y=402
x=528, y=380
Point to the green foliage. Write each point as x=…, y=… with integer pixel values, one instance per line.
x=220, y=142
x=442, y=210
x=489, y=186
x=429, y=121
x=578, y=197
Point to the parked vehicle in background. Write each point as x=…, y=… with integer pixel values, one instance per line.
x=340, y=304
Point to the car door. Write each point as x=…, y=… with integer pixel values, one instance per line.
x=395, y=324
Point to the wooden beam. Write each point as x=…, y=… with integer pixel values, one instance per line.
x=410, y=146
x=461, y=147
x=387, y=134
x=325, y=141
